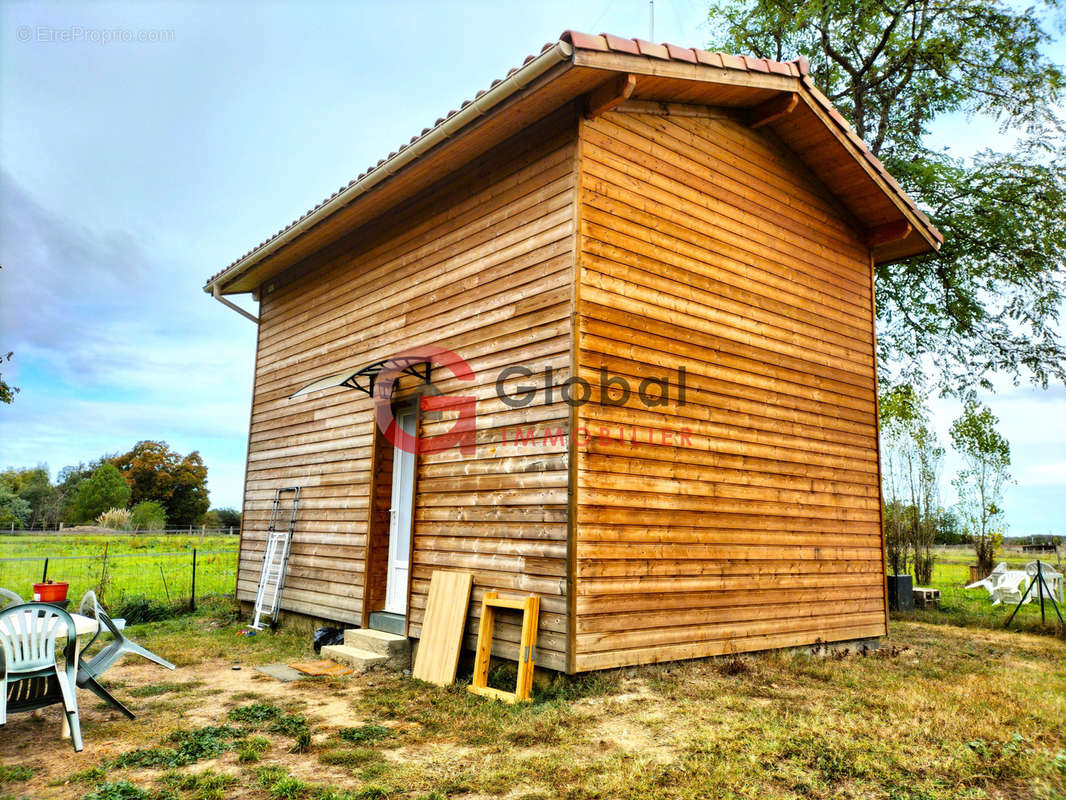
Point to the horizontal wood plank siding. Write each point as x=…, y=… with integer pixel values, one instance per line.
x=481, y=264
x=753, y=521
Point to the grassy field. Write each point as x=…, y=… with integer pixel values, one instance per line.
x=155, y=567
x=939, y=712
x=974, y=607
x=951, y=706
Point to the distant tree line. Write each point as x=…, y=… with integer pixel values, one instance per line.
x=150, y=487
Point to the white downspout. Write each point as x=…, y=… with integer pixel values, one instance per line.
x=217, y=294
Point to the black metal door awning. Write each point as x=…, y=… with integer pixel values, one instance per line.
x=363, y=379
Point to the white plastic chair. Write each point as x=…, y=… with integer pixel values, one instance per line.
x=993, y=580
x=1010, y=595
x=1011, y=587
x=30, y=676
x=9, y=598
x=1052, y=580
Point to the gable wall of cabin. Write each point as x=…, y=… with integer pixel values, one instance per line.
x=482, y=264
x=705, y=244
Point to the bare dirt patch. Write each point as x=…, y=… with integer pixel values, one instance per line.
x=201, y=695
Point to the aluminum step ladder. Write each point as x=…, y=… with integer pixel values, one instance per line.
x=275, y=561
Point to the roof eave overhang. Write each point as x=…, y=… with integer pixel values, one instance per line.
x=246, y=274
x=558, y=75
x=920, y=237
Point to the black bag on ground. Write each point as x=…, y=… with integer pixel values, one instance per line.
x=326, y=636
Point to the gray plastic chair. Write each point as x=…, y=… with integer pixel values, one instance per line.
x=9, y=598
x=90, y=606
x=91, y=670
x=30, y=676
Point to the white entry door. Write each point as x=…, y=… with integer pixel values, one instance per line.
x=403, y=467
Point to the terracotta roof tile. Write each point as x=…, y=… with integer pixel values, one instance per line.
x=605, y=42
x=755, y=64
x=585, y=41
x=653, y=50
x=620, y=45
x=733, y=62
x=778, y=67
x=708, y=58
x=681, y=53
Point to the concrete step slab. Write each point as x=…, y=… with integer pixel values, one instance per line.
x=357, y=658
x=380, y=642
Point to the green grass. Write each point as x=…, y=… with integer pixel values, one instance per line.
x=136, y=566
x=206, y=785
x=940, y=712
x=212, y=634
x=15, y=773
x=952, y=706
x=184, y=747
x=973, y=607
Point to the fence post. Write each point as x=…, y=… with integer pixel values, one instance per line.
x=192, y=600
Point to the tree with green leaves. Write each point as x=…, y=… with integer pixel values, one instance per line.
x=148, y=515
x=898, y=409
x=67, y=482
x=986, y=469
x=988, y=303
x=104, y=489
x=911, y=461
x=14, y=511
x=228, y=518
x=7, y=391
x=179, y=483
x=35, y=487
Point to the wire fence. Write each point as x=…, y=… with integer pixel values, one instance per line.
x=176, y=578
x=83, y=530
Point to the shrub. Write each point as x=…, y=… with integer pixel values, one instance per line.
x=116, y=519
x=137, y=608
x=148, y=516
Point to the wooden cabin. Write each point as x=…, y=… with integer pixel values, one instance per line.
x=703, y=227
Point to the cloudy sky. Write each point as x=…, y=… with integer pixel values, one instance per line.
x=145, y=145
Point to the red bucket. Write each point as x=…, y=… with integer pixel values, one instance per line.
x=50, y=592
